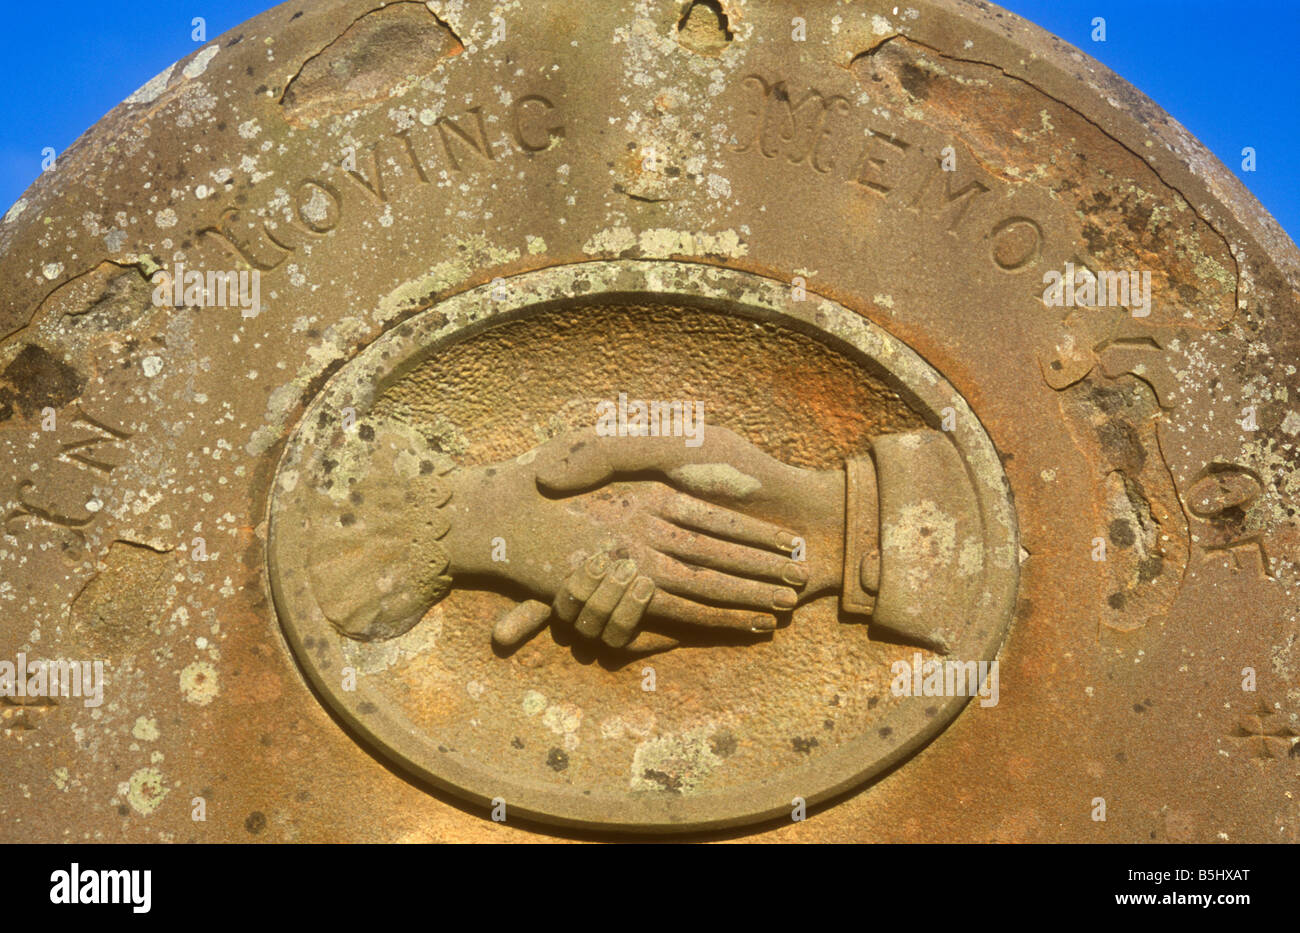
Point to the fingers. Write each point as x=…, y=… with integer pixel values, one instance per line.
x=521, y=623
x=591, y=620
x=705, y=551
x=627, y=615
x=724, y=523
x=579, y=587
x=610, y=602
x=603, y=601
x=665, y=605
x=620, y=631
x=705, y=585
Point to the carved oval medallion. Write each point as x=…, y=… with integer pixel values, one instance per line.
x=470, y=463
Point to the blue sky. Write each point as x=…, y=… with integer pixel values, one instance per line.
x=1227, y=70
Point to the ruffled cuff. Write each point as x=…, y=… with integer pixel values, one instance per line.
x=377, y=560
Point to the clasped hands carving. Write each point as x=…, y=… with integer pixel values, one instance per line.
x=629, y=541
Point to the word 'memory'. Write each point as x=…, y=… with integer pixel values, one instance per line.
x=950, y=678
x=651, y=419
x=796, y=127
x=216, y=289
x=1106, y=289
x=41, y=678
x=105, y=886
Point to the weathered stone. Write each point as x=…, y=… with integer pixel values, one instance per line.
x=318, y=359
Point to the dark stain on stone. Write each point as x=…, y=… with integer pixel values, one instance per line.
x=1150, y=567
x=915, y=80
x=557, y=759
x=1122, y=445
x=256, y=822
x=36, y=380
x=667, y=781
x=1121, y=533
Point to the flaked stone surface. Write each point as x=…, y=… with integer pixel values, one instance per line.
x=369, y=162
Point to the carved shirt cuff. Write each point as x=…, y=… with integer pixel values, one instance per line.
x=861, y=538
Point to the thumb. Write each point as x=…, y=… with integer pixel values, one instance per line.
x=649, y=642
x=520, y=623
x=573, y=462
x=583, y=460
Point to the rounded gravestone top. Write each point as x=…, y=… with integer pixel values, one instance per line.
x=968, y=317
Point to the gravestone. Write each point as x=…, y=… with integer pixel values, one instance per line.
x=873, y=424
